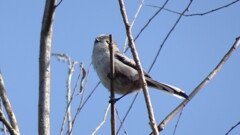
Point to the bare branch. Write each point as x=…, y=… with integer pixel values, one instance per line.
x=232, y=128
x=4, y=127
x=121, y=121
x=150, y=20
x=129, y=109
x=157, y=52
x=140, y=71
x=59, y=3
x=81, y=104
x=7, y=124
x=71, y=64
x=200, y=86
x=66, y=58
x=169, y=33
x=104, y=119
x=134, y=19
x=213, y=10
x=175, y=128
x=197, y=14
x=112, y=93
x=8, y=107
x=44, y=69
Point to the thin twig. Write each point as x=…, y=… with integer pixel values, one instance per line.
x=83, y=93
x=121, y=122
x=129, y=109
x=169, y=33
x=134, y=19
x=7, y=106
x=232, y=128
x=139, y=67
x=197, y=14
x=175, y=128
x=104, y=119
x=201, y=14
x=69, y=96
x=59, y=3
x=150, y=20
x=200, y=86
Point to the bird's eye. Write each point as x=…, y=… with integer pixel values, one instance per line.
x=107, y=41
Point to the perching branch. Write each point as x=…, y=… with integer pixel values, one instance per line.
x=112, y=93
x=200, y=86
x=13, y=127
x=44, y=69
x=140, y=71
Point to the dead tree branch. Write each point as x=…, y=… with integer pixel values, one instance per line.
x=7, y=105
x=139, y=67
x=7, y=124
x=83, y=83
x=197, y=14
x=71, y=64
x=103, y=121
x=200, y=86
x=44, y=69
x=13, y=127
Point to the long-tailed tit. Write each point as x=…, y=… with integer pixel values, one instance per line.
x=126, y=75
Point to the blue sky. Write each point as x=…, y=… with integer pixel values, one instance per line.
x=190, y=53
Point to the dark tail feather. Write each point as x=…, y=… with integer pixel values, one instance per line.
x=167, y=88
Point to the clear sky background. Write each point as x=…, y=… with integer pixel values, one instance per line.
x=193, y=49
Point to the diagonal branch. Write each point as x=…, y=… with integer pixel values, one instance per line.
x=139, y=67
x=8, y=108
x=150, y=20
x=7, y=124
x=197, y=14
x=200, y=86
x=169, y=33
x=232, y=128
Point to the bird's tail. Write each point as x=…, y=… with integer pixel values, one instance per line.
x=167, y=88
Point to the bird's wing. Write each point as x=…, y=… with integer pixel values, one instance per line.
x=127, y=69
x=127, y=61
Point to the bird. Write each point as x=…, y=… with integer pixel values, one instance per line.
x=126, y=77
